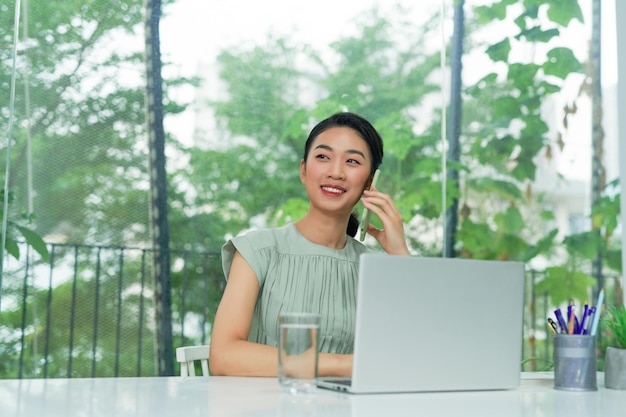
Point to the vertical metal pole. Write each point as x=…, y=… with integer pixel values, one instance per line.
x=598, y=174
x=48, y=316
x=5, y=202
x=70, y=359
x=454, y=123
x=141, y=312
x=20, y=372
x=118, y=325
x=96, y=313
x=183, y=296
x=158, y=188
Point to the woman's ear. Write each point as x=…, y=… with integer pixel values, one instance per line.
x=302, y=171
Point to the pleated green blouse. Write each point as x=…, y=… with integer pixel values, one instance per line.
x=296, y=275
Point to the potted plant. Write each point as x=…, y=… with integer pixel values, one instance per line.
x=615, y=358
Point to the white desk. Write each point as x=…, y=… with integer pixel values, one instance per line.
x=250, y=397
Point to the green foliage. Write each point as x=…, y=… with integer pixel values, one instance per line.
x=377, y=77
x=35, y=241
x=563, y=12
x=561, y=63
x=502, y=241
x=507, y=132
x=499, y=51
x=563, y=284
x=18, y=229
x=510, y=221
x=586, y=244
x=605, y=214
x=504, y=190
x=566, y=282
x=85, y=127
x=614, y=320
x=495, y=11
x=103, y=314
x=296, y=207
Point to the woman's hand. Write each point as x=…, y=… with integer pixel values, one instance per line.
x=391, y=236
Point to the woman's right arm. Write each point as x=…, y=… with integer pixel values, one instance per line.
x=231, y=352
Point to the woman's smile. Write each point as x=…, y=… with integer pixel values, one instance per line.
x=333, y=190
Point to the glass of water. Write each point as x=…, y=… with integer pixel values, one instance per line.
x=298, y=353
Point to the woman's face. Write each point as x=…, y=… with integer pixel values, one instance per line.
x=337, y=170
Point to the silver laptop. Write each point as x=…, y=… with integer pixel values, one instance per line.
x=435, y=324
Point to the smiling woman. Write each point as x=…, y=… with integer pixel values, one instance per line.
x=310, y=265
x=346, y=148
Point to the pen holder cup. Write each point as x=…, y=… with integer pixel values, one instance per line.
x=575, y=362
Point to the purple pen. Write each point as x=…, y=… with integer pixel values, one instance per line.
x=581, y=328
x=570, y=317
x=590, y=314
x=560, y=320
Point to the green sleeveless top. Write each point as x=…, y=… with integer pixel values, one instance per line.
x=296, y=275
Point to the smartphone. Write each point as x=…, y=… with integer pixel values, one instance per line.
x=365, y=217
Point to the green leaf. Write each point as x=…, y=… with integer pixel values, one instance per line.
x=615, y=321
x=606, y=213
x=525, y=168
x=510, y=221
x=486, y=14
x=563, y=12
x=398, y=140
x=546, y=215
x=563, y=285
x=543, y=246
x=505, y=109
x=511, y=247
x=561, y=62
x=587, y=244
x=531, y=8
x=532, y=142
x=613, y=259
x=533, y=133
x=497, y=149
x=504, y=189
x=35, y=241
x=522, y=75
x=546, y=243
x=476, y=240
x=500, y=51
x=545, y=88
x=536, y=34
x=476, y=89
x=530, y=13
x=12, y=248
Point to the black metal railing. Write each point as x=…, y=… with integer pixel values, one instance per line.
x=88, y=312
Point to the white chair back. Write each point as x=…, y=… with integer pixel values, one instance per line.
x=187, y=355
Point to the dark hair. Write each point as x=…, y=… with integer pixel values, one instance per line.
x=365, y=130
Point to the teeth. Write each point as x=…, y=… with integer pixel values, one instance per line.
x=332, y=190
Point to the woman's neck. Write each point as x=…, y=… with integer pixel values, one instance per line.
x=323, y=230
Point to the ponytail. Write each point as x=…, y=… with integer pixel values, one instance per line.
x=353, y=224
